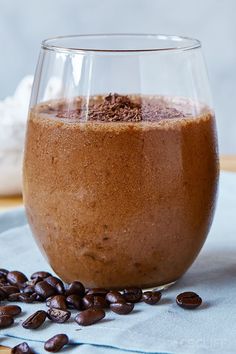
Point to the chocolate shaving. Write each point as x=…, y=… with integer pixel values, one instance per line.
x=120, y=108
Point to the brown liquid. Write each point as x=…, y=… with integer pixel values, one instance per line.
x=117, y=204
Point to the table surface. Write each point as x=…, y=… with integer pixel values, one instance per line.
x=227, y=163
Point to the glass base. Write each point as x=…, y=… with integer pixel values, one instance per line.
x=160, y=287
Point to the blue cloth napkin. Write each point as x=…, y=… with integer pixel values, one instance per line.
x=163, y=328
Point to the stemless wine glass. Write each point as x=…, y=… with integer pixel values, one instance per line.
x=121, y=160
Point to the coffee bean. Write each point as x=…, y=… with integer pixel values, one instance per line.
x=11, y=310
x=188, y=300
x=6, y=321
x=26, y=298
x=122, y=308
x=34, y=296
x=41, y=275
x=3, y=295
x=90, y=316
x=16, y=277
x=49, y=300
x=74, y=301
x=22, y=286
x=114, y=296
x=97, y=292
x=39, y=298
x=10, y=289
x=36, y=320
x=29, y=289
x=97, y=302
x=58, y=316
x=58, y=302
x=56, y=343
x=3, y=272
x=151, y=297
x=60, y=288
x=13, y=297
x=33, y=282
x=22, y=348
x=57, y=284
x=133, y=294
x=3, y=281
x=75, y=288
x=44, y=289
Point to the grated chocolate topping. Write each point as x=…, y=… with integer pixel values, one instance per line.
x=119, y=108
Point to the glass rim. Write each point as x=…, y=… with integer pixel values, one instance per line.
x=53, y=43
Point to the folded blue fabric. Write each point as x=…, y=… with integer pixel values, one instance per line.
x=163, y=328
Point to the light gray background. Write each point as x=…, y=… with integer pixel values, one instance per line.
x=24, y=23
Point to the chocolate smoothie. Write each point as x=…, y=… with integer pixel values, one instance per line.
x=120, y=190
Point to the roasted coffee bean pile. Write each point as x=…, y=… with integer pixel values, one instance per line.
x=60, y=299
